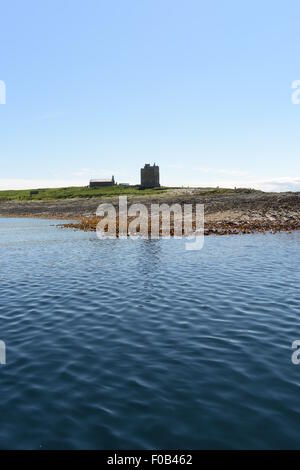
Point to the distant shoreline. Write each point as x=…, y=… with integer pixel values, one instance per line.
x=226, y=212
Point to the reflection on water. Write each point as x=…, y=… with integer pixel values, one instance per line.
x=141, y=344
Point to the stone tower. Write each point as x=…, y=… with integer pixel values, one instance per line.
x=150, y=176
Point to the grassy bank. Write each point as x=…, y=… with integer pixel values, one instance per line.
x=74, y=192
x=110, y=191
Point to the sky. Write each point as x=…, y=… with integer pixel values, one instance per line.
x=99, y=88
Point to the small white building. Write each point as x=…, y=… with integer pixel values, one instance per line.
x=98, y=183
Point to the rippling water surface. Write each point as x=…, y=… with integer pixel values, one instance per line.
x=141, y=344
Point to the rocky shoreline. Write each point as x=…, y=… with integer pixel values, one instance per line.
x=217, y=227
x=230, y=212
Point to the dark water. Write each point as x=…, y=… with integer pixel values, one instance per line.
x=140, y=344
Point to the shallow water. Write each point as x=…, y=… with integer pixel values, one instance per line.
x=141, y=344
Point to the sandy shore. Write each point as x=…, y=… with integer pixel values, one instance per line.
x=241, y=211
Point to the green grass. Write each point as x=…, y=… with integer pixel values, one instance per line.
x=211, y=191
x=85, y=192
x=74, y=192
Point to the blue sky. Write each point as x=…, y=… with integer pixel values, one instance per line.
x=202, y=88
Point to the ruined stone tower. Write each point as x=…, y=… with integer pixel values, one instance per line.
x=150, y=176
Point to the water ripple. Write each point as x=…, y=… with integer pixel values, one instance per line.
x=141, y=344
